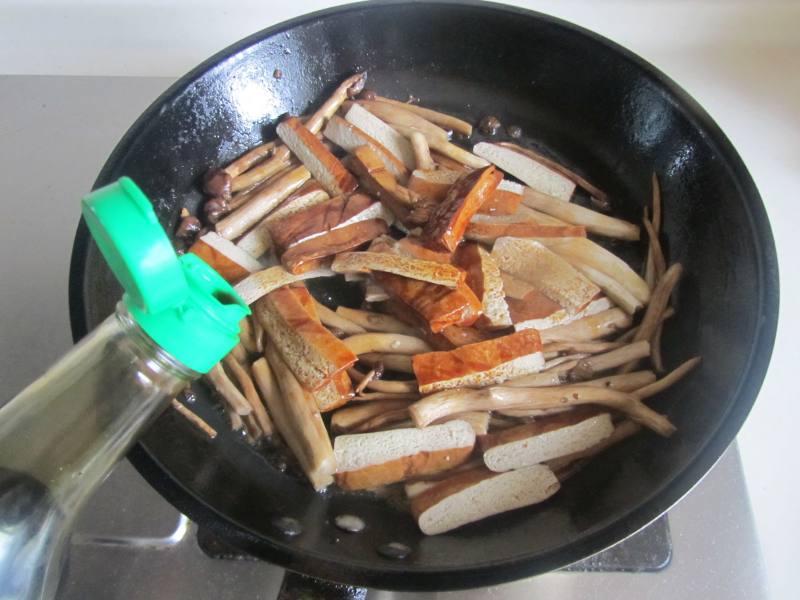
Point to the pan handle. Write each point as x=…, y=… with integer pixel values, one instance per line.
x=296, y=586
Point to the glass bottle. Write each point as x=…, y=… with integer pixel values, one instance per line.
x=61, y=436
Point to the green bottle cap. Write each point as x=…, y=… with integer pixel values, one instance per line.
x=181, y=303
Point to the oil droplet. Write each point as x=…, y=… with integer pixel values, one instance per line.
x=394, y=550
x=350, y=523
x=288, y=526
x=514, y=131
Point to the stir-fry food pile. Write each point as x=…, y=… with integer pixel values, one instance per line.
x=498, y=346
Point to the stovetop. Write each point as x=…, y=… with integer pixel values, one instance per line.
x=129, y=543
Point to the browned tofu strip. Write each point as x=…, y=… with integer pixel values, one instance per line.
x=476, y=365
x=339, y=390
x=471, y=495
x=323, y=165
x=413, y=268
x=312, y=352
x=263, y=282
x=483, y=278
x=451, y=217
x=456, y=336
x=378, y=181
x=224, y=257
x=503, y=202
x=433, y=184
x=559, y=168
x=488, y=232
x=349, y=137
x=538, y=427
x=546, y=439
x=305, y=256
x=257, y=242
x=317, y=219
x=438, y=305
x=549, y=273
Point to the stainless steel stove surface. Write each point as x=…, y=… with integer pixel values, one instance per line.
x=128, y=542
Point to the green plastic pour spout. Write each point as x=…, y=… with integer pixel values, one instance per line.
x=61, y=435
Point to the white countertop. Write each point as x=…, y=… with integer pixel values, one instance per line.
x=740, y=60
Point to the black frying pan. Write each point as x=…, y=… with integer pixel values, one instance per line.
x=580, y=98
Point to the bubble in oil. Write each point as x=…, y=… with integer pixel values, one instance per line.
x=288, y=526
x=394, y=550
x=350, y=523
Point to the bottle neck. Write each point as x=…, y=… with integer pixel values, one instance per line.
x=154, y=359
